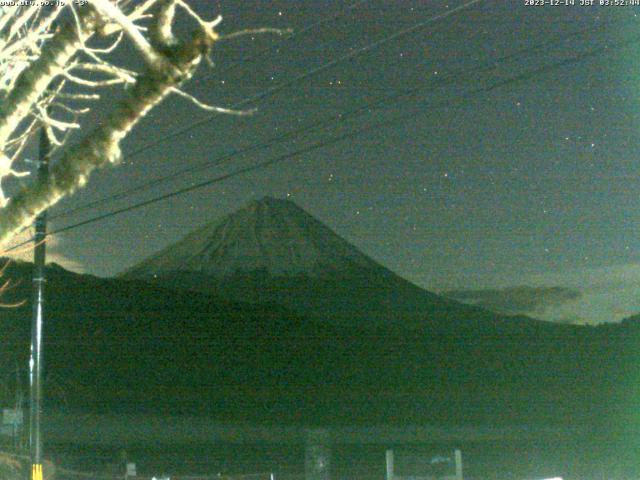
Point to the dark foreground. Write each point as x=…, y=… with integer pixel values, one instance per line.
x=194, y=446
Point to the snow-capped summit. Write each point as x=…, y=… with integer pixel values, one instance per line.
x=272, y=251
x=272, y=236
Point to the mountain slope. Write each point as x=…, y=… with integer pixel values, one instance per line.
x=347, y=341
x=114, y=345
x=273, y=236
x=389, y=343
x=272, y=251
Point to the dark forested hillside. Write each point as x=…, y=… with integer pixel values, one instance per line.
x=123, y=345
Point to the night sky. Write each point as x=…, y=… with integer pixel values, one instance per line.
x=475, y=181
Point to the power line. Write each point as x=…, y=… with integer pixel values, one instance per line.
x=326, y=66
x=298, y=33
x=362, y=109
x=323, y=143
x=398, y=34
x=283, y=85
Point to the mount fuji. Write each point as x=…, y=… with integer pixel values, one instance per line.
x=269, y=315
x=272, y=251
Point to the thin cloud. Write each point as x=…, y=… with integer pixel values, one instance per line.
x=526, y=300
x=609, y=293
x=25, y=252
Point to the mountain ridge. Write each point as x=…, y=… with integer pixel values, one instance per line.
x=115, y=345
x=270, y=234
x=272, y=251
x=316, y=345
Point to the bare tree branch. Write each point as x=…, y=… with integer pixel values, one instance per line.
x=48, y=74
x=35, y=79
x=102, y=146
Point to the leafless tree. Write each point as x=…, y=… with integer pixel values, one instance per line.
x=54, y=62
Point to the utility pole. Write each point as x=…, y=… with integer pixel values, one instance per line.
x=37, y=319
x=389, y=457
